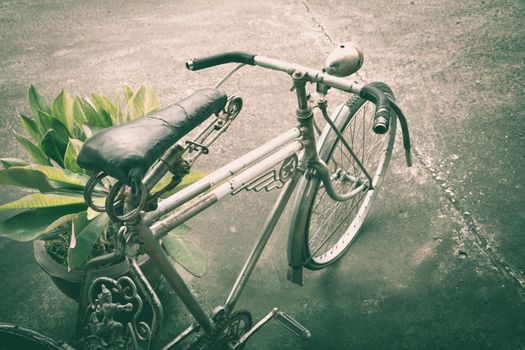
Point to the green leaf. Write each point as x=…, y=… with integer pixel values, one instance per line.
x=187, y=180
x=10, y=162
x=31, y=127
x=191, y=178
x=103, y=104
x=43, y=200
x=92, y=116
x=33, y=224
x=120, y=117
x=70, y=157
x=61, y=221
x=36, y=102
x=63, y=110
x=25, y=177
x=82, y=243
x=62, y=176
x=128, y=93
x=78, y=112
x=105, y=119
x=46, y=122
x=36, y=153
x=186, y=254
x=54, y=146
x=79, y=119
x=142, y=102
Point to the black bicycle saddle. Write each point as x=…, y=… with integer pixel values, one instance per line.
x=126, y=151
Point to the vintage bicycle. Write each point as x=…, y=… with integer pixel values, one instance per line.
x=335, y=174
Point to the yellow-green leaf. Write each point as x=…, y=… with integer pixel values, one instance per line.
x=36, y=102
x=81, y=247
x=10, y=162
x=92, y=116
x=187, y=180
x=31, y=127
x=63, y=110
x=61, y=175
x=128, y=92
x=103, y=104
x=142, y=102
x=70, y=157
x=42, y=200
x=61, y=221
x=78, y=112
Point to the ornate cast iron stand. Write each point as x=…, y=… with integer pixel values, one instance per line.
x=112, y=313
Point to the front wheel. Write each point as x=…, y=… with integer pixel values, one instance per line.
x=329, y=227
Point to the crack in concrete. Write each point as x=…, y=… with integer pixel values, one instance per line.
x=479, y=239
x=318, y=22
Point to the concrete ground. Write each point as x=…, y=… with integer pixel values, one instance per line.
x=440, y=262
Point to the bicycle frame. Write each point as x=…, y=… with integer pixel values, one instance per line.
x=296, y=153
x=295, y=149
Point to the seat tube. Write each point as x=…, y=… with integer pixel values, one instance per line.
x=304, y=116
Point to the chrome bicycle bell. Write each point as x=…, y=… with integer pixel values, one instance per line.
x=344, y=60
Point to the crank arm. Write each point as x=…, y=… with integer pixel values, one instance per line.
x=282, y=318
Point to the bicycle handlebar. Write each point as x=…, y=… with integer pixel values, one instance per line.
x=368, y=92
x=222, y=58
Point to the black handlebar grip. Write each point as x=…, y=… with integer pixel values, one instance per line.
x=381, y=121
x=382, y=115
x=222, y=58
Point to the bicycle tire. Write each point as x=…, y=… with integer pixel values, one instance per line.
x=343, y=218
x=14, y=337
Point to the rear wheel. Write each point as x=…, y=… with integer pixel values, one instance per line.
x=329, y=227
x=13, y=337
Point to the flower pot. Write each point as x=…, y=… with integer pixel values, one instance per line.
x=69, y=282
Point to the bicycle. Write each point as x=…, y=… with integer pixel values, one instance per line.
x=335, y=173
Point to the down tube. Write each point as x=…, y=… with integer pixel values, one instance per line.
x=266, y=232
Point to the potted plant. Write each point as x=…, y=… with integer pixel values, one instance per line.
x=65, y=232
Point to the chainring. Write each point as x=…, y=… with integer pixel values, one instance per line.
x=230, y=329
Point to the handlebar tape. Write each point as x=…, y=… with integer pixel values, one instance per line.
x=222, y=58
x=382, y=114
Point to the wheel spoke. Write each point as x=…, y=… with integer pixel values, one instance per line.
x=334, y=231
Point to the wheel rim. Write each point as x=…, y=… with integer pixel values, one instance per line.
x=334, y=225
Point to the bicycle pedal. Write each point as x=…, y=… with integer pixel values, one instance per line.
x=292, y=325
